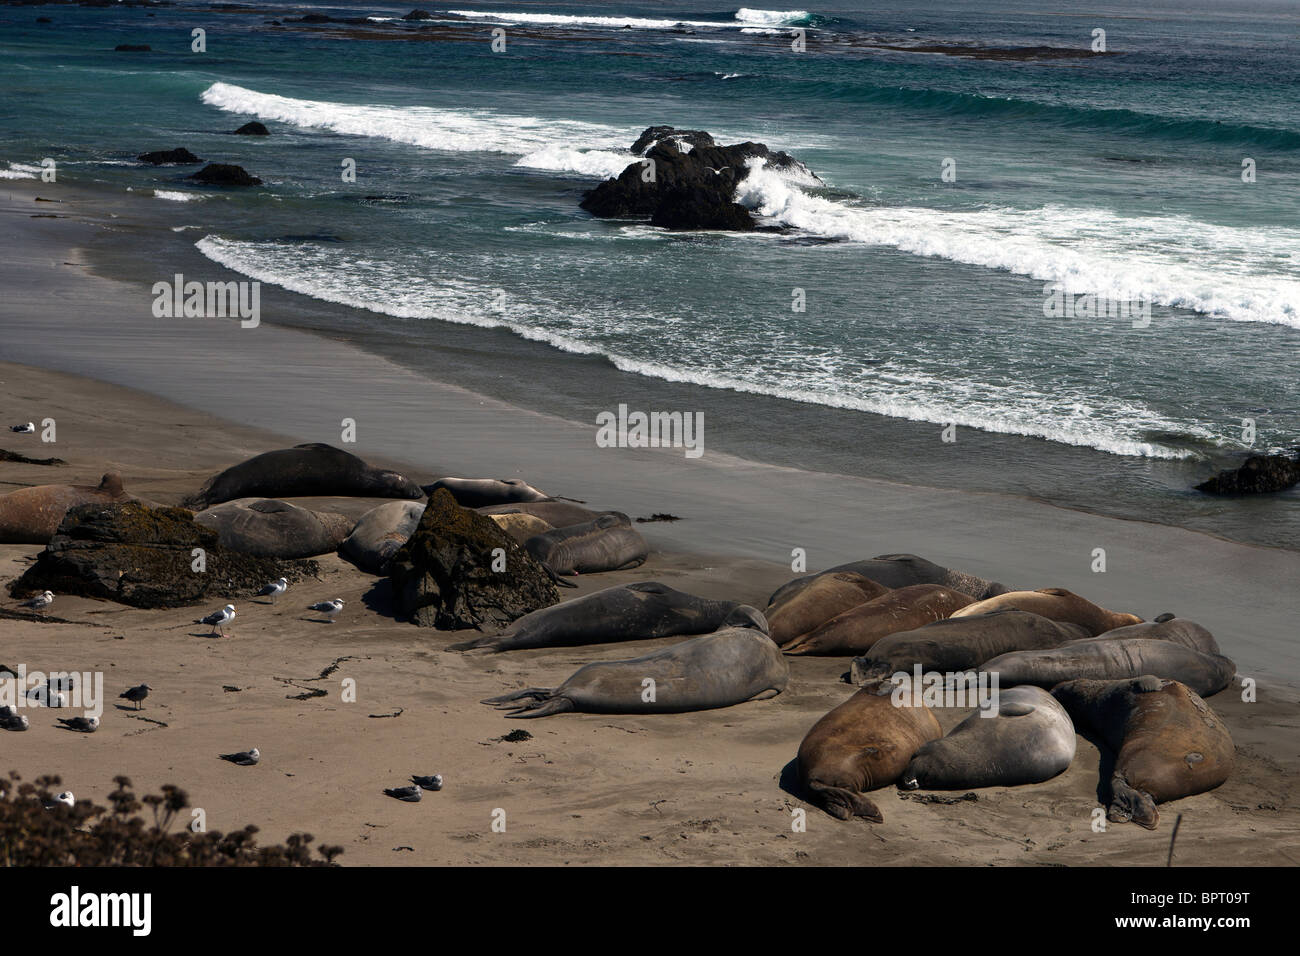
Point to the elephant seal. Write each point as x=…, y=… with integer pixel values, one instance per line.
x=830, y=594
x=271, y=528
x=732, y=665
x=858, y=628
x=32, y=515
x=1058, y=604
x=520, y=526
x=1166, y=628
x=899, y=571
x=1031, y=739
x=630, y=612
x=558, y=514
x=1168, y=742
x=863, y=744
x=313, y=469
x=483, y=492
x=962, y=643
x=607, y=544
x=1095, y=659
x=380, y=533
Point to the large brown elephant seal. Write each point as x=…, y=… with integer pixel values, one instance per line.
x=1167, y=740
x=520, y=526
x=272, y=528
x=1166, y=627
x=32, y=515
x=863, y=744
x=857, y=629
x=380, y=534
x=830, y=594
x=730, y=666
x=313, y=469
x=607, y=544
x=630, y=612
x=558, y=514
x=484, y=492
x=899, y=571
x=1058, y=604
x=1100, y=659
x=961, y=643
x=1031, y=739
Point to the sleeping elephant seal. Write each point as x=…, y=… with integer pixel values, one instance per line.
x=899, y=571
x=558, y=514
x=830, y=594
x=32, y=515
x=858, y=628
x=270, y=528
x=303, y=471
x=863, y=744
x=632, y=612
x=607, y=544
x=380, y=533
x=1114, y=660
x=521, y=527
x=1166, y=628
x=1168, y=742
x=1031, y=739
x=482, y=492
x=730, y=666
x=962, y=643
x=1058, y=604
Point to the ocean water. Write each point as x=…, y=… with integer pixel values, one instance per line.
x=460, y=248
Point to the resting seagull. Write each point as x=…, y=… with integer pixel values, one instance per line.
x=86, y=725
x=409, y=794
x=65, y=799
x=219, y=619
x=274, y=589
x=433, y=782
x=41, y=697
x=41, y=601
x=23, y=429
x=136, y=694
x=245, y=758
x=14, y=721
x=329, y=608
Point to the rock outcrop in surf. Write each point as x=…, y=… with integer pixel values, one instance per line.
x=1260, y=474
x=225, y=174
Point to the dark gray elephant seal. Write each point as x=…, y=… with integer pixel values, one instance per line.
x=271, y=528
x=1167, y=740
x=1114, y=660
x=558, y=514
x=900, y=571
x=484, y=492
x=1031, y=739
x=1166, y=627
x=631, y=612
x=380, y=533
x=730, y=666
x=863, y=744
x=607, y=544
x=962, y=643
x=303, y=471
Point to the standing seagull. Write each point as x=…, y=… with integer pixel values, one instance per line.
x=329, y=608
x=219, y=619
x=136, y=694
x=87, y=725
x=409, y=794
x=41, y=601
x=23, y=429
x=274, y=589
x=245, y=758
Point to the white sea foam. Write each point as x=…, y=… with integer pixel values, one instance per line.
x=1245, y=274
x=744, y=15
x=20, y=171
x=775, y=17
x=177, y=196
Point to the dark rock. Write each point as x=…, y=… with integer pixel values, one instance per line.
x=695, y=207
x=20, y=459
x=142, y=556
x=1260, y=474
x=654, y=134
x=253, y=128
x=442, y=577
x=161, y=157
x=44, y=20
x=133, y=48
x=312, y=18
x=225, y=174
x=418, y=15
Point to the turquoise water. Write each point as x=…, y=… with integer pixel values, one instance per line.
x=1117, y=176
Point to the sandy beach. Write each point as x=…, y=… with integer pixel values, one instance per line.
x=169, y=402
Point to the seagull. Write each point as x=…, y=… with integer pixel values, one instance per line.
x=57, y=682
x=41, y=697
x=245, y=758
x=14, y=722
x=274, y=589
x=219, y=619
x=87, y=725
x=409, y=794
x=433, y=782
x=65, y=798
x=23, y=429
x=6, y=712
x=717, y=172
x=329, y=608
x=136, y=694
x=41, y=601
